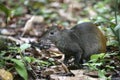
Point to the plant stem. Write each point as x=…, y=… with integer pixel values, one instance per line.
x=116, y=9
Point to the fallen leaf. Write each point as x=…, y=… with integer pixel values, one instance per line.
x=29, y=24
x=5, y=75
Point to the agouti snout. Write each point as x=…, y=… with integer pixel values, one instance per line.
x=81, y=41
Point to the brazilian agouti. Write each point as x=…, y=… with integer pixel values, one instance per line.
x=79, y=42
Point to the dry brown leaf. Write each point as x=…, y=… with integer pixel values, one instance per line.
x=78, y=76
x=5, y=75
x=6, y=32
x=48, y=72
x=29, y=24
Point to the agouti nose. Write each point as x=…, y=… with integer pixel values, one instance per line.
x=45, y=44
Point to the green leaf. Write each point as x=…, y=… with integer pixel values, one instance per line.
x=97, y=56
x=117, y=30
x=117, y=27
x=101, y=74
x=20, y=68
x=18, y=11
x=24, y=46
x=29, y=59
x=110, y=67
x=5, y=10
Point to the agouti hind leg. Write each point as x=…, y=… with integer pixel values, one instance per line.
x=66, y=60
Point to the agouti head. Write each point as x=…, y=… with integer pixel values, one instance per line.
x=53, y=34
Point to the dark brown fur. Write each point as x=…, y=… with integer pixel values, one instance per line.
x=81, y=41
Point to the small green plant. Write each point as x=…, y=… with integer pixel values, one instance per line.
x=116, y=31
x=98, y=62
x=20, y=68
x=21, y=64
x=7, y=11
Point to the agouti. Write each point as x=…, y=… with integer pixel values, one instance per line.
x=79, y=42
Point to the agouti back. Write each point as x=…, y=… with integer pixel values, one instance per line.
x=81, y=41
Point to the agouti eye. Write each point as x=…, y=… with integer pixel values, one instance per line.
x=51, y=33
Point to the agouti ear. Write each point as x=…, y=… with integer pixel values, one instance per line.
x=47, y=28
x=60, y=27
